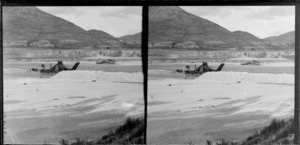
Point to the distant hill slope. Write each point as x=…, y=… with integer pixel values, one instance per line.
x=27, y=23
x=247, y=39
x=103, y=39
x=100, y=35
x=286, y=39
x=132, y=40
x=172, y=27
x=134, y=37
x=31, y=27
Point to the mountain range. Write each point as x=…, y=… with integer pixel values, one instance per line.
x=169, y=27
x=31, y=27
x=172, y=27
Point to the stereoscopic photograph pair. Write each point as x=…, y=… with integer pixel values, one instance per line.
x=209, y=75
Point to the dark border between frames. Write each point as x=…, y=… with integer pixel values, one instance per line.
x=1, y=85
x=297, y=67
x=145, y=4
x=145, y=64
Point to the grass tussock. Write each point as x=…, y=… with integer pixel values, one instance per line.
x=278, y=132
x=131, y=132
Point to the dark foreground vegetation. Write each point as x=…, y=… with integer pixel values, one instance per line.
x=278, y=132
x=131, y=132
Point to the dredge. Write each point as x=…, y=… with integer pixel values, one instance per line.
x=56, y=68
x=201, y=69
x=108, y=61
x=253, y=62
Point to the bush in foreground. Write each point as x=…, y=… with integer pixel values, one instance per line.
x=277, y=132
x=131, y=132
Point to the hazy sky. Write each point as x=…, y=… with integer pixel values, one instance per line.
x=117, y=21
x=261, y=21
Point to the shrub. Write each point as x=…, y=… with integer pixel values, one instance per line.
x=131, y=132
x=277, y=131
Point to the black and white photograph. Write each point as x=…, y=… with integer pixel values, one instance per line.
x=221, y=75
x=131, y=72
x=73, y=75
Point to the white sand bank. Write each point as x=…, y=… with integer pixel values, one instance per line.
x=247, y=77
x=79, y=102
x=99, y=76
x=102, y=90
x=245, y=92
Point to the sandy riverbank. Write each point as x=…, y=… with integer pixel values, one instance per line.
x=70, y=104
x=228, y=105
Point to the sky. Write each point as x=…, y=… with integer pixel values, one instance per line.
x=261, y=21
x=117, y=21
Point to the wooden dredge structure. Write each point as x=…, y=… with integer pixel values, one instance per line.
x=108, y=61
x=56, y=68
x=201, y=69
x=253, y=62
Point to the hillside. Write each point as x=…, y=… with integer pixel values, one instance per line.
x=135, y=39
x=31, y=27
x=283, y=40
x=245, y=38
x=172, y=27
x=102, y=39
